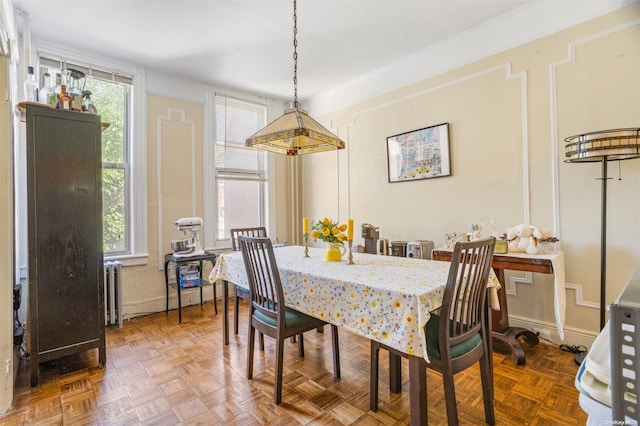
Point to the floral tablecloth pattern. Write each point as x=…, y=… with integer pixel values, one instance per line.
x=383, y=298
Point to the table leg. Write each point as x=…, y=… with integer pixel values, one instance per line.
x=395, y=373
x=166, y=284
x=201, y=298
x=503, y=333
x=179, y=301
x=418, y=391
x=215, y=298
x=225, y=312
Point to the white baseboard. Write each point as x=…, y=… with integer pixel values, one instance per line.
x=157, y=304
x=572, y=336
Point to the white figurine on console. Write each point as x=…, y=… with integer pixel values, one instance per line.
x=522, y=239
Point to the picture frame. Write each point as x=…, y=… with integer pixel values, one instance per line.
x=419, y=154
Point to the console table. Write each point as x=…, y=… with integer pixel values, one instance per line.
x=179, y=261
x=501, y=330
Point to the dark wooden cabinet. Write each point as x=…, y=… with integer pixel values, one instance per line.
x=66, y=283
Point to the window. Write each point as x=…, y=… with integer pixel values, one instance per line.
x=240, y=172
x=111, y=92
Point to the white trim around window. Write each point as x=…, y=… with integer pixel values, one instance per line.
x=137, y=148
x=210, y=187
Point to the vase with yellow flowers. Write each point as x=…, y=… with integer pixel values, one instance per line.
x=333, y=233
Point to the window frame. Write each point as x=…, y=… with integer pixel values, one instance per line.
x=135, y=179
x=213, y=174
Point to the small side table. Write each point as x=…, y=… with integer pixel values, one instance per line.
x=183, y=260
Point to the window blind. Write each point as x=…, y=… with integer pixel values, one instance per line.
x=235, y=121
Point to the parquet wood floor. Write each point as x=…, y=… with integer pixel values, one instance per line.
x=160, y=372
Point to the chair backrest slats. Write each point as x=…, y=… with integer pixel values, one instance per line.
x=265, y=286
x=465, y=295
x=256, y=231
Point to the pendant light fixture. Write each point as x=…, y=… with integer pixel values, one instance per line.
x=295, y=132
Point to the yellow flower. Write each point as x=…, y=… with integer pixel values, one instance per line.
x=328, y=231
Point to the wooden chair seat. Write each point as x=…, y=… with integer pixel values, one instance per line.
x=432, y=330
x=292, y=318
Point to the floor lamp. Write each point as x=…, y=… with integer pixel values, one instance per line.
x=603, y=146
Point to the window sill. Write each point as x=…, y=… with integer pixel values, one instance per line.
x=130, y=259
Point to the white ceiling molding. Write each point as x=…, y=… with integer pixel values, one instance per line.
x=525, y=24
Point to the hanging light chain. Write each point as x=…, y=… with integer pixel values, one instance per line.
x=295, y=56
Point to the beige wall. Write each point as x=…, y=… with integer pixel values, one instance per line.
x=175, y=182
x=6, y=240
x=175, y=188
x=508, y=117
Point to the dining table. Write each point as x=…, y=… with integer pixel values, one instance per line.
x=384, y=298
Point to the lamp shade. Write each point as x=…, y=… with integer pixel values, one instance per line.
x=618, y=144
x=294, y=133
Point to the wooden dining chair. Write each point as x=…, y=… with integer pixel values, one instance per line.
x=268, y=313
x=242, y=292
x=458, y=334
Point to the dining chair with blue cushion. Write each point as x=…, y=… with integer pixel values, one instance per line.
x=458, y=334
x=268, y=313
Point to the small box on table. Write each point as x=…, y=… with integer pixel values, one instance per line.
x=189, y=276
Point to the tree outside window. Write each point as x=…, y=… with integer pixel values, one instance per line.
x=112, y=100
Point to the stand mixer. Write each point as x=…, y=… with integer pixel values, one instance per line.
x=188, y=246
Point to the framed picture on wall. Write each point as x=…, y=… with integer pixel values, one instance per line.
x=419, y=154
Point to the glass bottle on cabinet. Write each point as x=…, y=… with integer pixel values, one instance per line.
x=87, y=103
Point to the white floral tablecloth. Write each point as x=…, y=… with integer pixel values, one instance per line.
x=384, y=298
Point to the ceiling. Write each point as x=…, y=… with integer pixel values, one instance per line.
x=248, y=44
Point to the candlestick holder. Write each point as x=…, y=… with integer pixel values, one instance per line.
x=350, y=254
x=306, y=247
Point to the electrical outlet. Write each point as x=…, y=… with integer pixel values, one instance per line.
x=543, y=334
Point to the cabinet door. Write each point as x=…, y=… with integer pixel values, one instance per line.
x=65, y=230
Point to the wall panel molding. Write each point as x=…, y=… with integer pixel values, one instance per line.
x=509, y=75
x=173, y=115
x=554, y=146
x=511, y=290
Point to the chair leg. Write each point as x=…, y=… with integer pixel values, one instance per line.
x=373, y=376
x=450, y=396
x=301, y=346
x=486, y=376
x=261, y=341
x=336, y=351
x=236, y=313
x=277, y=394
x=486, y=369
x=250, y=349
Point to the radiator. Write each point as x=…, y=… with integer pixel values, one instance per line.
x=113, y=293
